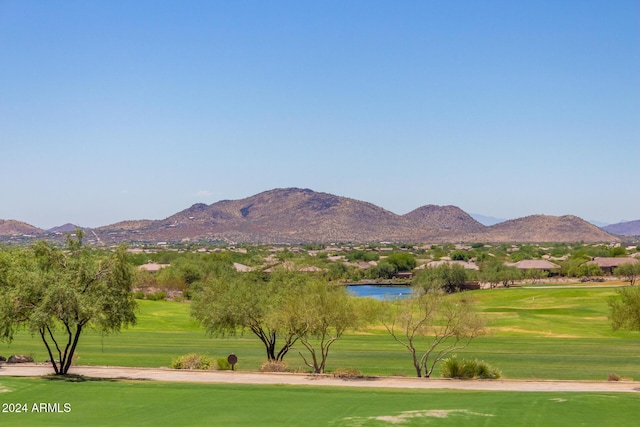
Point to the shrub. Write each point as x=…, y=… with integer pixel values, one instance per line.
x=222, y=364
x=158, y=296
x=273, y=366
x=468, y=369
x=451, y=368
x=138, y=295
x=192, y=361
x=613, y=377
x=484, y=371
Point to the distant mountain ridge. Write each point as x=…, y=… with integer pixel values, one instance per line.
x=13, y=227
x=65, y=228
x=294, y=215
x=546, y=228
x=628, y=228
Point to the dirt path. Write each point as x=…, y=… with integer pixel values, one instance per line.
x=240, y=377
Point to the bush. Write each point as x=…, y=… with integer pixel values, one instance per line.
x=613, y=377
x=158, y=296
x=485, y=372
x=468, y=369
x=451, y=368
x=192, y=361
x=138, y=295
x=273, y=366
x=222, y=364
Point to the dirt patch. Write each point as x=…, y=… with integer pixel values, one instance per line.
x=405, y=416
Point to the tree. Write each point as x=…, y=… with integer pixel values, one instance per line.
x=232, y=302
x=449, y=277
x=617, y=251
x=460, y=255
x=58, y=294
x=578, y=266
x=402, y=261
x=432, y=325
x=629, y=271
x=384, y=270
x=625, y=310
x=322, y=312
x=496, y=272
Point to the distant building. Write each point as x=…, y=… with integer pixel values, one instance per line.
x=608, y=264
x=536, y=264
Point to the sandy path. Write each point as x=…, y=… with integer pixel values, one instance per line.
x=241, y=377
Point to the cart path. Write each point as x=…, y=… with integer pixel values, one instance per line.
x=242, y=377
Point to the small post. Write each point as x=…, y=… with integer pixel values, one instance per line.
x=232, y=359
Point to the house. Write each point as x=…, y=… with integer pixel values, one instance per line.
x=536, y=264
x=608, y=264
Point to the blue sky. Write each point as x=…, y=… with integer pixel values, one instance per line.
x=119, y=110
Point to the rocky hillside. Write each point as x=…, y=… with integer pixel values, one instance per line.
x=444, y=219
x=66, y=228
x=17, y=228
x=545, y=228
x=630, y=228
x=293, y=215
x=288, y=215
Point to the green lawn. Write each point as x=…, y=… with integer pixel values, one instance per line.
x=534, y=333
x=135, y=403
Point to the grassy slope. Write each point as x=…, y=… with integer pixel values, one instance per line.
x=124, y=403
x=535, y=333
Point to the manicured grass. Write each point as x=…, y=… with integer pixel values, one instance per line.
x=134, y=403
x=534, y=333
x=561, y=313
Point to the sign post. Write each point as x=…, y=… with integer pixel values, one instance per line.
x=232, y=359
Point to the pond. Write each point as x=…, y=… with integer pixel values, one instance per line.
x=380, y=292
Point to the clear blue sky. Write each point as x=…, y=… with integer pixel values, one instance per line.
x=114, y=110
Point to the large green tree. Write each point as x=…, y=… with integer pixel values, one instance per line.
x=234, y=302
x=57, y=294
x=403, y=261
x=497, y=272
x=450, y=277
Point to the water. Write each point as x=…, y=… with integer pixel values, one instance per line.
x=380, y=292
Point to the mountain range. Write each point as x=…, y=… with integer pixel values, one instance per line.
x=628, y=228
x=294, y=215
